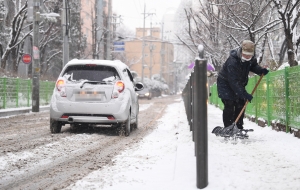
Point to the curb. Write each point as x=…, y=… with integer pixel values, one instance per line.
x=18, y=111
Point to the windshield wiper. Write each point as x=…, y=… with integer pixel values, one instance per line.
x=92, y=82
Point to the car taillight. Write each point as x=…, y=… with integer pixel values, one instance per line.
x=118, y=88
x=110, y=117
x=60, y=86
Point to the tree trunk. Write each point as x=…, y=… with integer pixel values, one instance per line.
x=282, y=52
x=290, y=47
x=14, y=56
x=3, y=60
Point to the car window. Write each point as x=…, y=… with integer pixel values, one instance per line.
x=91, y=73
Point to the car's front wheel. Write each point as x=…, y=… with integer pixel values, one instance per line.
x=55, y=126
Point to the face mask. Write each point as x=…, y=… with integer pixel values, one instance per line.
x=244, y=59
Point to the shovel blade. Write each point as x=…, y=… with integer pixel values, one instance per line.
x=216, y=130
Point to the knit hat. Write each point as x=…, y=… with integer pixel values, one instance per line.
x=248, y=47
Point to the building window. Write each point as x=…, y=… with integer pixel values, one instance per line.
x=148, y=32
x=87, y=32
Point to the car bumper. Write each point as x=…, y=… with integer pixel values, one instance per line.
x=143, y=96
x=79, y=112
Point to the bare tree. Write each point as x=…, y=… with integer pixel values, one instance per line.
x=221, y=25
x=51, y=44
x=253, y=19
x=16, y=36
x=289, y=15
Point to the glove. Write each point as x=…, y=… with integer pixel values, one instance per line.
x=249, y=97
x=265, y=71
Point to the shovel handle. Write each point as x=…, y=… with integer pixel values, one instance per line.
x=254, y=89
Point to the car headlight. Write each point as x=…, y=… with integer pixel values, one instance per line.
x=147, y=94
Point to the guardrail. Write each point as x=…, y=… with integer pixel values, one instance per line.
x=16, y=92
x=277, y=99
x=195, y=99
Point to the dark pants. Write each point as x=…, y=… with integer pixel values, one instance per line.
x=232, y=109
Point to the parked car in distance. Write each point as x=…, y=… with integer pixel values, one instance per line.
x=95, y=92
x=145, y=93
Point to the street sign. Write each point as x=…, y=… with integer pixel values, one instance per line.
x=36, y=52
x=26, y=58
x=119, y=46
x=119, y=49
x=119, y=43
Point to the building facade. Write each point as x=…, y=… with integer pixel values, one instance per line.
x=155, y=59
x=97, y=26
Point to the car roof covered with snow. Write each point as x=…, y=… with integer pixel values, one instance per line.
x=115, y=63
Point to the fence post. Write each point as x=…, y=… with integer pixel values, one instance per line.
x=28, y=92
x=189, y=101
x=4, y=93
x=268, y=100
x=184, y=97
x=192, y=104
x=200, y=118
x=287, y=102
x=17, y=92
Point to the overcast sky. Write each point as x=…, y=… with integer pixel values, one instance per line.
x=131, y=11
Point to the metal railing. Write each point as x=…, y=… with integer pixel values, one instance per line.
x=16, y=92
x=277, y=98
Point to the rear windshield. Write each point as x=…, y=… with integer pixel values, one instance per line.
x=91, y=73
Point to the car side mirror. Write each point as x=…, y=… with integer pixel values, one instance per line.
x=138, y=86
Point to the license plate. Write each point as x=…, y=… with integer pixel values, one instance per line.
x=89, y=96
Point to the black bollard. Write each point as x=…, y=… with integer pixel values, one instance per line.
x=200, y=120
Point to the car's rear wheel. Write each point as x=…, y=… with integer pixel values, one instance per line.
x=127, y=126
x=135, y=125
x=55, y=126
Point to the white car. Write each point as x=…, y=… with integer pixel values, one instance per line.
x=97, y=92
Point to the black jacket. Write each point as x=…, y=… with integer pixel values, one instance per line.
x=233, y=76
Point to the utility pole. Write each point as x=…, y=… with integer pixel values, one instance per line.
x=151, y=47
x=36, y=58
x=162, y=52
x=65, y=23
x=108, y=40
x=143, y=44
x=99, y=46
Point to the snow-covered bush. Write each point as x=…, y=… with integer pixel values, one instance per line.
x=156, y=86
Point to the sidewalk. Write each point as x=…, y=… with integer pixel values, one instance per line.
x=165, y=159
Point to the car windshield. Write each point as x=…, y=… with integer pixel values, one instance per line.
x=91, y=73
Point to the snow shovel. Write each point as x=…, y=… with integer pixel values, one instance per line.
x=233, y=129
